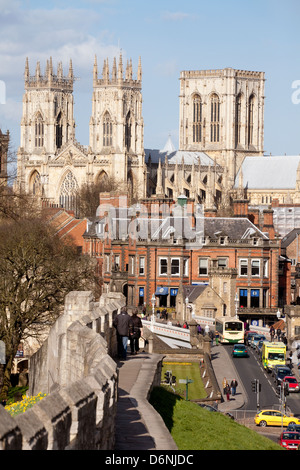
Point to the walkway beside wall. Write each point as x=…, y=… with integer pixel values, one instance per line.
x=133, y=408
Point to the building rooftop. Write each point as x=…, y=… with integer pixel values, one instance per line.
x=269, y=172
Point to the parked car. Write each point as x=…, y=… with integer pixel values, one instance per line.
x=281, y=373
x=289, y=440
x=274, y=370
x=258, y=347
x=274, y=418
x=293, y=427
x=248, y=336
x=255, y=339
x=240, y=350
x=292, y=382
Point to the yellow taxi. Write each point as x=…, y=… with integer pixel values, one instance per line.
x=274, y=418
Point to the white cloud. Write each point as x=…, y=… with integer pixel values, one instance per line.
x=11, y=111
x=62, y=33
x=175, y=16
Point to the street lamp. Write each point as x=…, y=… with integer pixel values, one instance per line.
x=236, y=303
x=278, y=314
x=153, y=302
x=186, y=307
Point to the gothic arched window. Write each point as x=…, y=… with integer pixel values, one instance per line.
x=68, y=192
x=59, y=128
x=197, y=119
x=39, y=131
x=128, y=132
x=214, y=118
x=238, y=119
x=107, y=130
x=250, y=119
x=35, y=183
x=102, y=178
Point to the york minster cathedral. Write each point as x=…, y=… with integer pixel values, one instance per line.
x=221, y=139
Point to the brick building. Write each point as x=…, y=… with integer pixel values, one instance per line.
x=158, y=247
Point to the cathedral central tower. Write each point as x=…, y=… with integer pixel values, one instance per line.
x=222, y=114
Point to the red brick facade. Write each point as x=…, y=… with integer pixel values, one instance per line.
x=139, y=266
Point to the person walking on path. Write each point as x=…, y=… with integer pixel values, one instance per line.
x=233, y=387
x=227, y=392
x=123, y=324
x=224, y=385
x=135, y=333
x=272, y=333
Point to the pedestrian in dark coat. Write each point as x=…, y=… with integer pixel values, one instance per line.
x=227, y=392
x=135, y=333
x=123, y=324
x=233, y=386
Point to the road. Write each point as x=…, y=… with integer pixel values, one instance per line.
x=251, y=368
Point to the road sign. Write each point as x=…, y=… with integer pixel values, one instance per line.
x=186, y=381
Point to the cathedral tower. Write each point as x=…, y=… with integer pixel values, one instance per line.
x=222, y=114
x=116, y=123
x=47, y=121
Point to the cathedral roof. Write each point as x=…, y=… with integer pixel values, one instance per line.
x=177, y=156
x=269, y=172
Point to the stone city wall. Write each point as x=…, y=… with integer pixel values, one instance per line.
x=74, y=366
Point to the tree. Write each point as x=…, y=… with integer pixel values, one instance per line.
x=88, y=195
x=14, y=204
x=37, y=270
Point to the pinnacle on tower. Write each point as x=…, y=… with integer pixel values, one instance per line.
x=114, y=70
x=95, y=70
x=139, y=76
x=26, y=73
x=59, y=70
x=71, y=74
x=120, y=69
x=38, y=70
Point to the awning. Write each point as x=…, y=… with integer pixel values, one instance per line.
x=162, y=291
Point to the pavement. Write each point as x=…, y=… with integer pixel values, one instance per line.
x=138, y=425
x=224, y=368
x=132, y=430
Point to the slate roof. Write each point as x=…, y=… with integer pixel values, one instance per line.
x=290, y=237
x=176, y=157
x=193, y=292
x=160, y=229
x=232, y=227
x=269, y=172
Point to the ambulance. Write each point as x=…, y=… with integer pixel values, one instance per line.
x=272, y=354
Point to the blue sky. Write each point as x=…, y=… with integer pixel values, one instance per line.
x=170, y=36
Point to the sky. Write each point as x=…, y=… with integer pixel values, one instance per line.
x=169, y=36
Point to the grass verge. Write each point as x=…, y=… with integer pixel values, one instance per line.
x=194, y=428
x=182, y=371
